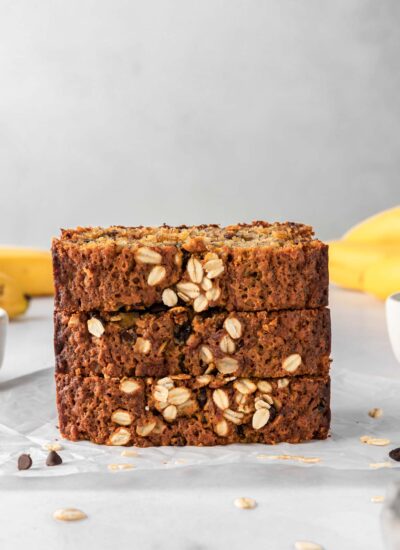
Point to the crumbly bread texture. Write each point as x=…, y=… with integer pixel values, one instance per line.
x=176, y=340
x=253, y=267
x=200, y=411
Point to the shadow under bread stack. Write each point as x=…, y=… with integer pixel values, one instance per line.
x=192, y=335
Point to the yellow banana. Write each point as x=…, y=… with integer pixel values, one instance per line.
x=368, y=256
x=381, y=228
x=345, y=277
x=348, y=261
x=12, y=299
x=31, y=269
x=383, y=278
x=371, y=268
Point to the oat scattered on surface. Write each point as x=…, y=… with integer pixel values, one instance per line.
x=376, y=412
x=297, y=458
x=245, y=503
x=120, y=467
x=69, y=514
x=378, y=441
x=377, y=465
x=377, y=499
x=52, y=446
x=307, y=545
x=129, y=452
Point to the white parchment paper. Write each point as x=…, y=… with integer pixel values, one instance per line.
x=28, y=421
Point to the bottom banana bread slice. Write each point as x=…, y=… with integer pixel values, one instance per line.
x=184, y=410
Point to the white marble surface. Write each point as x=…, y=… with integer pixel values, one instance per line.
x=191, y=509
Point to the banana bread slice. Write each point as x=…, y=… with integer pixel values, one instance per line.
x=176, y=340
x=245, y=267
x=182, y=410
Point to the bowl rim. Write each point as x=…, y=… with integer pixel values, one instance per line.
x=395, y=297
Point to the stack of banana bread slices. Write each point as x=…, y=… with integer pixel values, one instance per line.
x=199, y=335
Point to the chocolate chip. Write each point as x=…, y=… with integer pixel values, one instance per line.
x=202, y=397
x=24, y=462
x=158, y=308
x=240, y=431
x=53, y=459
x=182, y=365
x=182, y=332
x=395, y=454
x=129, y=336
x=272, y=413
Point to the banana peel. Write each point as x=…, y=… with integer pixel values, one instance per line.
x=12, y=298
x=30, y=268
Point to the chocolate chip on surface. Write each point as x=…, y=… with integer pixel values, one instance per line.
x=395, y=454
x=53, y=459
x=24, y=462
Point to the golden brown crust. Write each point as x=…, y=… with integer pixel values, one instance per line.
x=247, y=358
x=250, y=267
x=193, y=411
x=179, y=341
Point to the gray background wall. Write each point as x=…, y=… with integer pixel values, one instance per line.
x=140, y=112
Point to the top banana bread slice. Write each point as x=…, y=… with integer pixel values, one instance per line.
x=244, y=267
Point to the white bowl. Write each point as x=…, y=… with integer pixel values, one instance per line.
x=390, y=518
x=393, y=322
x=3, y=333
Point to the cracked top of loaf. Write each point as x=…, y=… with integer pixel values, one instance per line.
x=198, y=238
